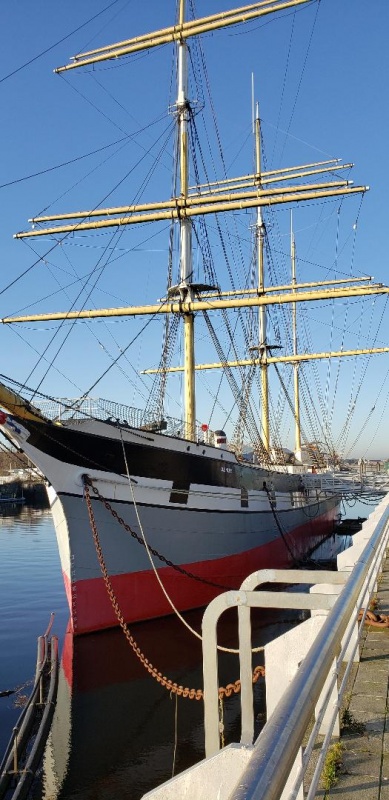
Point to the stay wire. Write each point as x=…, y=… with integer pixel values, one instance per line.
x=301, y=75
x=53, y=46
x=98, y=272
x=130, y=137
x=66, y=236
x=121, y=354
x=367, y=361
x=85, y=276
x=156, y=573
x=64, y=163
x=103, y=347
x=329, y=364
x=284, y=83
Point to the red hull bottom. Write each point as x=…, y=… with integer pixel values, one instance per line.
x=140, y=596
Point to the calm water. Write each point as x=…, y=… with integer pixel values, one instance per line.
x=30, y=588
x=115, y=730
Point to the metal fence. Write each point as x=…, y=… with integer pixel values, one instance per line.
x=309, y=680
x=274, y=755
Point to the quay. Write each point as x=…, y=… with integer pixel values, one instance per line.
x=326, y=684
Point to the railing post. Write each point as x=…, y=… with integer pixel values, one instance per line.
x=15, y=749
x=246, y=666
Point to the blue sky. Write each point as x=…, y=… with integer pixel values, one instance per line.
x=321, y=79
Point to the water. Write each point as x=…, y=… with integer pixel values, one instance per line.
x=115, y=729
x=30, y=588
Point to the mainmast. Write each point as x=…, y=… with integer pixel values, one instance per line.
x=186, y=291
x=264, y=188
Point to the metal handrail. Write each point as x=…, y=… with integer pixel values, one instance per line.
x=280, y=741
x=351, y=652
x=244, y=599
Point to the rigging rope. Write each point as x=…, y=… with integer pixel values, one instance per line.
x=139, y=539
x=148, y=551
x=252, y=426
x=167, y=683
x=295, y=562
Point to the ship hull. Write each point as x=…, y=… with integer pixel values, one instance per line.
x=218, y=549
x=185, y=523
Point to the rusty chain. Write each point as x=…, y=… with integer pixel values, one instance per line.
x=153, y=551
x=167, y=683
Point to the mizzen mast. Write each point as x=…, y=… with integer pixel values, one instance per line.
x=262, y=347
x=296, y=363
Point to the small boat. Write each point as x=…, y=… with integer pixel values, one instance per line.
x=154, y=512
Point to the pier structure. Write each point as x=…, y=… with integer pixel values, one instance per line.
x=326, y=686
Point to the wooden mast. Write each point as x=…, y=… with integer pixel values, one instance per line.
x=296, y=364
x=175, y=306
x=256, y=193
x=235, y=16
x=260, y=234
x=185, y=289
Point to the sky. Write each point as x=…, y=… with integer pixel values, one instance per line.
x=93, y=137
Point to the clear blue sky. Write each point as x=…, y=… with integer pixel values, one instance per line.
x=321, y=78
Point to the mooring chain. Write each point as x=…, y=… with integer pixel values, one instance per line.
x=153, y=551
x=167, y=683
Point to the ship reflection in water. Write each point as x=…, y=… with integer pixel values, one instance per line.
x=114, y=726
x=116, y=731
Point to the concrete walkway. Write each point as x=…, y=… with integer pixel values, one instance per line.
x=365, y=770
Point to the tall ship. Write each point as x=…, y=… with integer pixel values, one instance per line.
x=157, y=512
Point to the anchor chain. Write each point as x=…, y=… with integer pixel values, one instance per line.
x=153, y=551
x=167, y=683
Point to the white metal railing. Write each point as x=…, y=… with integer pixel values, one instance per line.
x=280, y=742
x=302, y=679
x=246, y=598
x=333, y=482
x=344, y=483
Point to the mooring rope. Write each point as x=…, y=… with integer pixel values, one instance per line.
x=167, y=683
x=163, y=589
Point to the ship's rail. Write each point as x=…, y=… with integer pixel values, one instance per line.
x=348, y=483
x=62, y=409
x=332, y=481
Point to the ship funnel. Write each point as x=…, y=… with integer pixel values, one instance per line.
x=220, y=439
